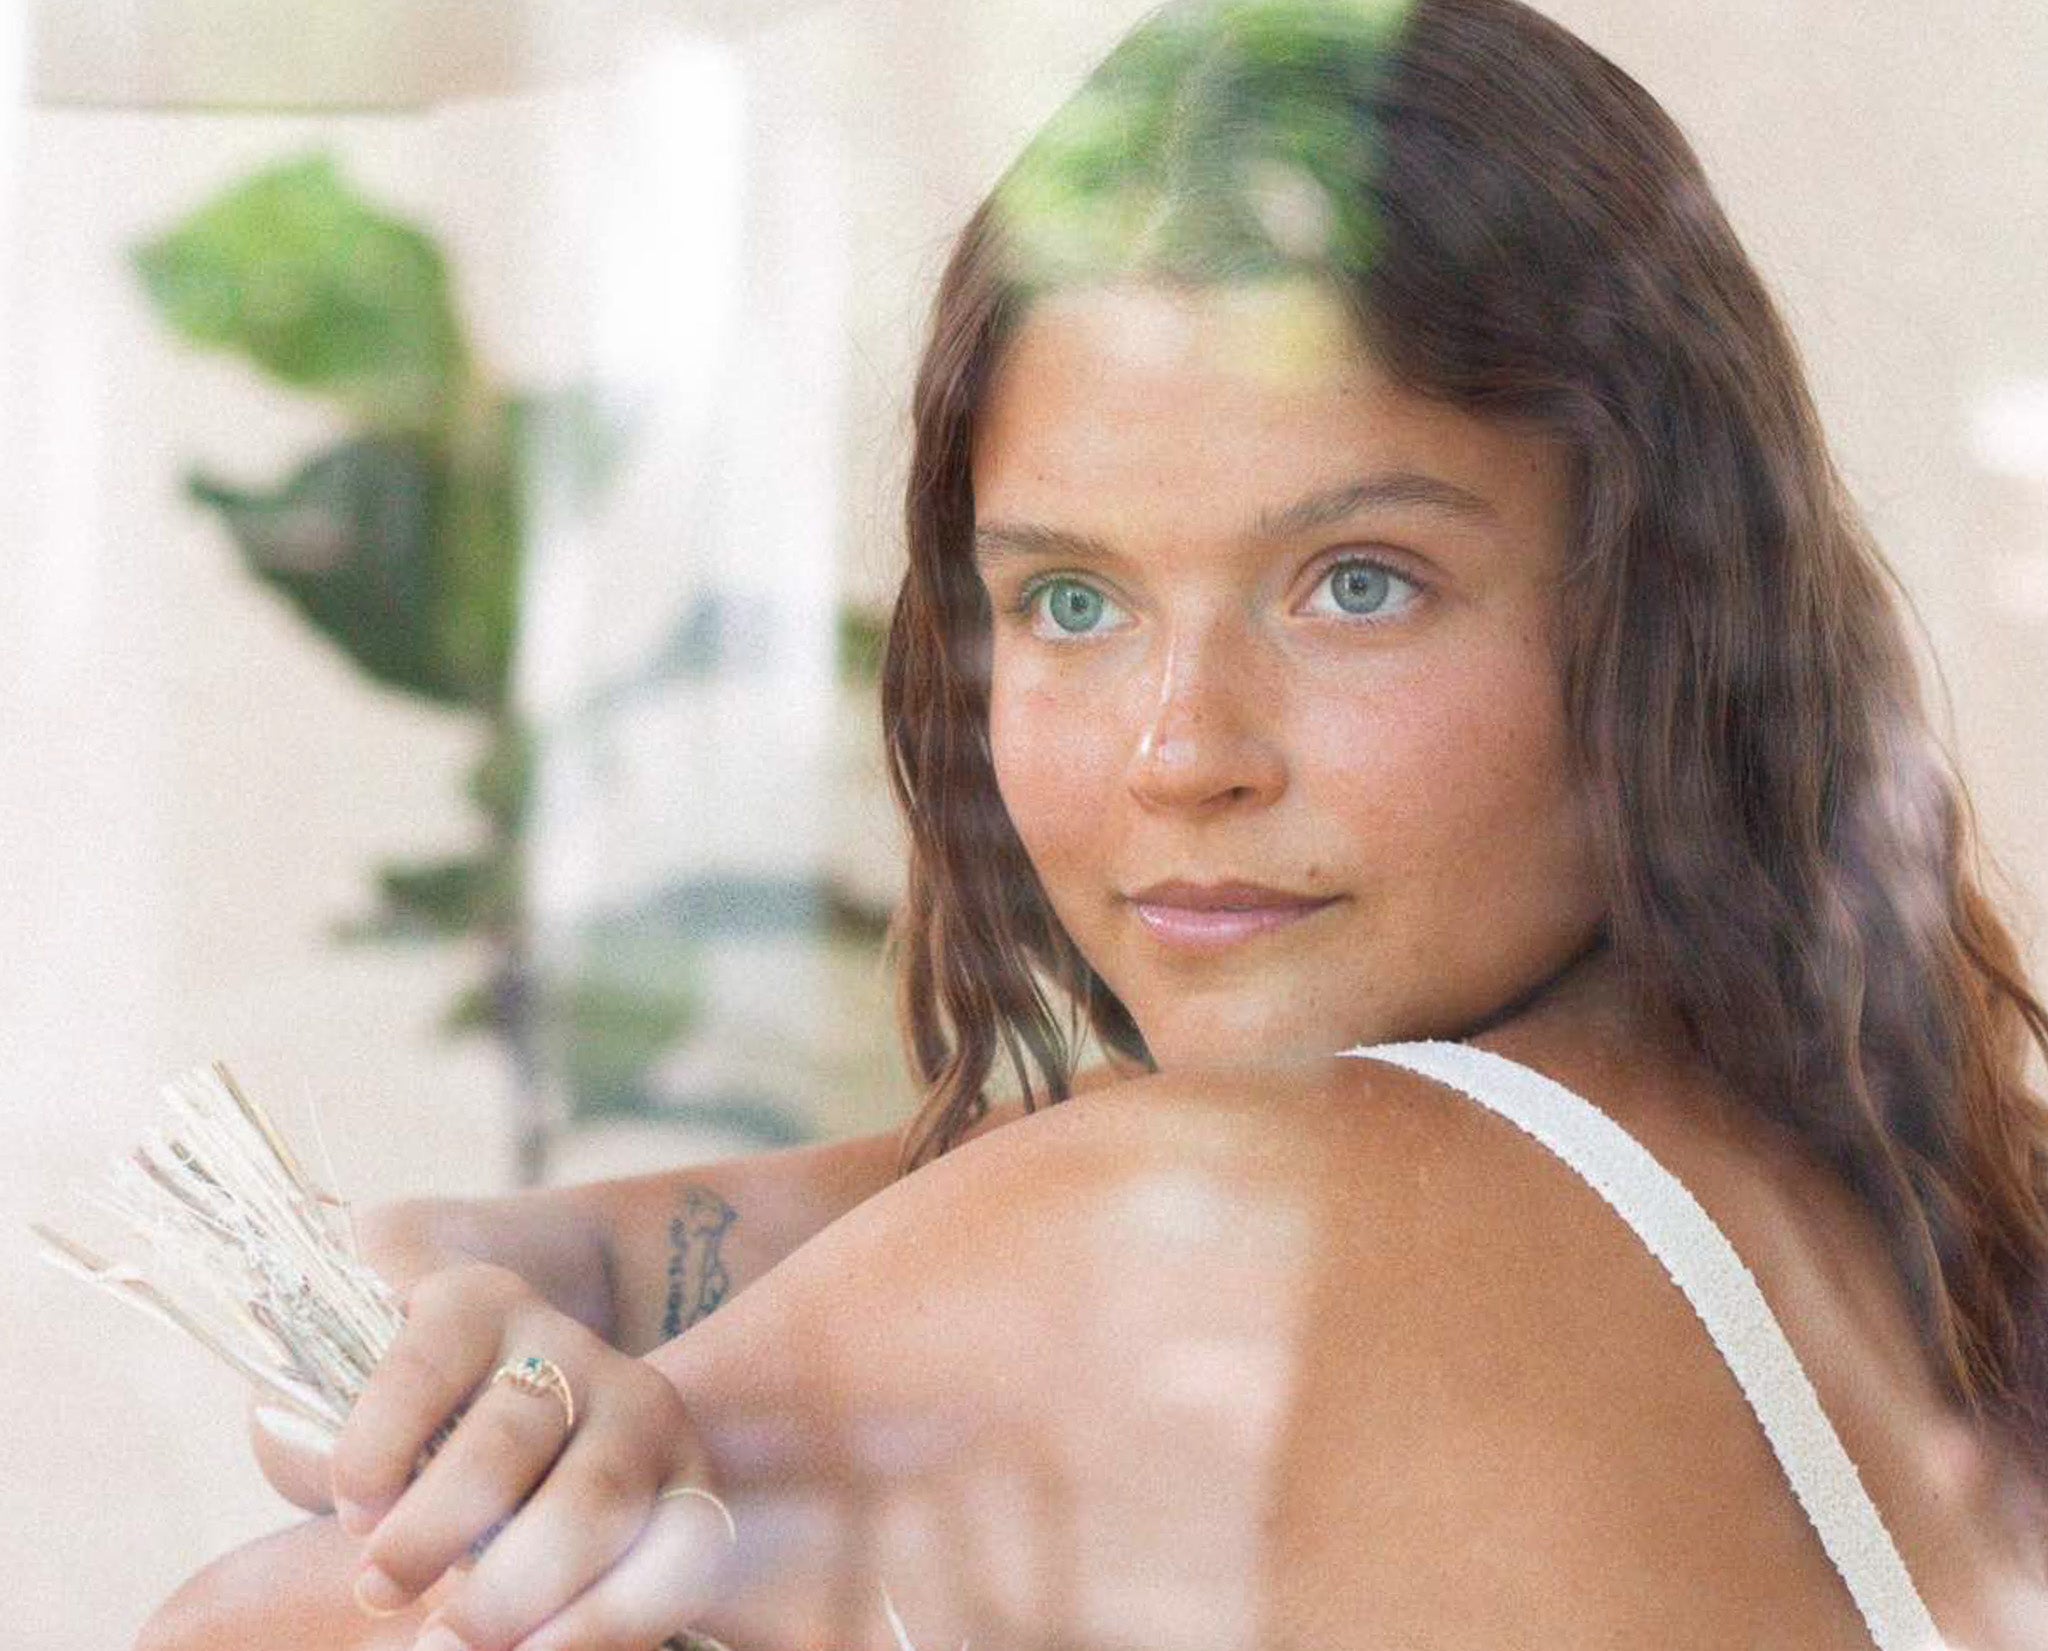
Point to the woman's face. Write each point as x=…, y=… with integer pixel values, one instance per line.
x=1275, y=707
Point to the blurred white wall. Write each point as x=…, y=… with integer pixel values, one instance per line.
x=198, y=788
x=193, y=790
x=193, y=793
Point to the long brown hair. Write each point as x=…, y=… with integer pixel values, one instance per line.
x=1520, y=231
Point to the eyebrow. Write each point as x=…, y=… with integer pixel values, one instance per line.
x=1411, y=489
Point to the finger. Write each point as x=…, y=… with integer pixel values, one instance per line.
x=586, y=1515
x=500, y=1450
x=294, y=1455
x=578, y=1524
x=443, y=1352
x=667, y=1580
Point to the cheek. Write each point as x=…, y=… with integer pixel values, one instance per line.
x=1463, y=768
x=1053, y=761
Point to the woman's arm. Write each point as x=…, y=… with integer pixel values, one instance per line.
x=1270, y=1364
x=639, y=1259
x=818, y=1471
x=676, y=1245
x=635, y=1260
x=1209, y=1367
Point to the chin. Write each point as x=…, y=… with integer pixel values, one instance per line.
x=1224, y=1034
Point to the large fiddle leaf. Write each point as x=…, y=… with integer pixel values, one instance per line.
x=303, y=276
x=405, y=549
x=409, y=568
x=402, y=546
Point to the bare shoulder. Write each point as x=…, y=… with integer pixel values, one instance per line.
x=1317, y=1357
x=1505, y=1424
x=1067, y=1342
x=1565, y=1438
x=1508, y=1426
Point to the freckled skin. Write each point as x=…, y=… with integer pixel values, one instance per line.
x=1225, y=719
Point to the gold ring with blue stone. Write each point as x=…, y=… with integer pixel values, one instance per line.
x=534, y=1374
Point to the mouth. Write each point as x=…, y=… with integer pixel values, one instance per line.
x=1212, y=916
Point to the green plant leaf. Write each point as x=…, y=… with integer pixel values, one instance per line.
x=480, y=1008
x=411, y=570
x=350, y=540
x=632, y=994
x=307, y=279
x=761, y=1120
x=613, y=1032
x=441, y=898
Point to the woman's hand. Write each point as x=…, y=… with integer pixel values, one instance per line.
x=398, y=1242
x=590, y=1553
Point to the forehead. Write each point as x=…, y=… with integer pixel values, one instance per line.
x=1118, y=397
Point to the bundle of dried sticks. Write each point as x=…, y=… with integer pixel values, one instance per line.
x=245, y=1252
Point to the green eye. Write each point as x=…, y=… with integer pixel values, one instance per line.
x=1359, y=587
x=1074, y=608
x=1366, y=590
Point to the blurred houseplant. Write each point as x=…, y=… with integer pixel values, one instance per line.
x=401, y=545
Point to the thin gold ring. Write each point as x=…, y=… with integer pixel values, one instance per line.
x=534, y=1374
x=686, y=1640
x=731, y=1529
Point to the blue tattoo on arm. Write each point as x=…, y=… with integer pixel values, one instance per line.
x=697, y=1280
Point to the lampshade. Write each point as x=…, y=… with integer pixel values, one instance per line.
x=363, y=55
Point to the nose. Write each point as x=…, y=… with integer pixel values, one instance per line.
x=1206, y=737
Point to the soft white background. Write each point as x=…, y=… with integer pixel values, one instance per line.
x=194, y=790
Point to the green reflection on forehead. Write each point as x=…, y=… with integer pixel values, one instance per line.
x=1220, y=142
x=1283, y=334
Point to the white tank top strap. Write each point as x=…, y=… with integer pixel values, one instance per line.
x=1704, y=1265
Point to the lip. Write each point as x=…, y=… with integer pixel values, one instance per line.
x=1211, y=916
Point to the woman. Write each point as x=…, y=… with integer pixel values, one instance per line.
x=1375, y=580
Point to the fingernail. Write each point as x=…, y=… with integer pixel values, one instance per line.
x=379, y=1595
x=288, y=1428
x=438, y=1636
